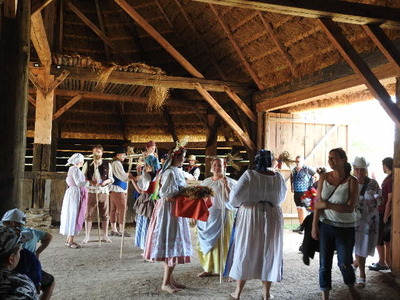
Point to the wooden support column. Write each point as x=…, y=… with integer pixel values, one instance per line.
x=260, y=130
x=211, y=146
x=14, y=58
x=396, y=195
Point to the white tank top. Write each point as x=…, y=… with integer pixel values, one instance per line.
x=340, y=196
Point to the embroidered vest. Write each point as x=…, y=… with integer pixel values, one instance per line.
x=103, y=170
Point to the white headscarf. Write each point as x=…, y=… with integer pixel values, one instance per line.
x=75, y=159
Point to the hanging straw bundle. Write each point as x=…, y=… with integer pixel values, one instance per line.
x=157, y=97
x=102, y=78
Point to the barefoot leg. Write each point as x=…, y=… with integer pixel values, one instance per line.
x=239, y=288
x=266, y=290
x=167, y=285
x=88, y=228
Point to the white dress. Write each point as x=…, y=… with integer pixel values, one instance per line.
x=258, y=244
x=70, y=206
x=168, y=237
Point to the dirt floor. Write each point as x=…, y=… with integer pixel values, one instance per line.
x=94, y=272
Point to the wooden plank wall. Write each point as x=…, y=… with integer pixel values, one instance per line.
x=299, y=135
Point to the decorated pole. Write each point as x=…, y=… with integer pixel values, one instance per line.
x=98, y=214
x=225, y=195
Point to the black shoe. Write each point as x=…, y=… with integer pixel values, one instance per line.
x=299, y=230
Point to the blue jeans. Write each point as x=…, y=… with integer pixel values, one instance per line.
x=341, y=239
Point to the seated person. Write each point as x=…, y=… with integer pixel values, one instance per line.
x=16, y=218
x=13, y=285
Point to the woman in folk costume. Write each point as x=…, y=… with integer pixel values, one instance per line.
x=75, y=201
x=209, y=232
x=258, y=240
x=168, y=237
x=147, y=186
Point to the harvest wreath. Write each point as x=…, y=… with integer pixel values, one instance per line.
x=193, y=202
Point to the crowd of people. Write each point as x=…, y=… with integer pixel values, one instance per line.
x=243, y=235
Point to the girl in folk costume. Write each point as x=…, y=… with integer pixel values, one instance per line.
x=75, y=201
x=212, y=245
x=147, y=186
x=168, y=238
x=258, y=242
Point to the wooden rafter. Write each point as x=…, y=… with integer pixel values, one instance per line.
x=61, y=26
x=282, y=49
x=200, y=39
x=121, y=120
x=32, y=100
x=161, y=40
x=385, y=45
x=339, y=11
x=236, y=128
x=38, y=5
x=243, y=106
x=156, y=80
x=361, y=68
x=39, y=40
x=307, y=92
x=102, y=27
x=36, y=83
x=95, y=29
x=64, y=74
x=170, y=124
x=237, y=49
x=213, y=131
x=10, y=8
x=112, y=97
x=67, y=106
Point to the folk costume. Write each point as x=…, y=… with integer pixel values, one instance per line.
x=144, y=205
x=75, y=199
x=118, y=197
x=168, y=237
x=209, y=232
x=99, y=173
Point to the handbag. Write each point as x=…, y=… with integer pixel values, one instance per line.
x=196, y=209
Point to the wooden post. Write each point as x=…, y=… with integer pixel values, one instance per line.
x=396, y=194
x=211, y=147
x=42, y=148
x=14, y=58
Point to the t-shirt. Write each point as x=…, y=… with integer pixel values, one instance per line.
x=387, y=188
x=30, y=266
x=37, y=236
x=15, y=286
x=302, y=179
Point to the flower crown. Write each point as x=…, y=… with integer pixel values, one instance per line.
x=180, y=146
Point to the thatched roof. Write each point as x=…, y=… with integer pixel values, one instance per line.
x=261, y=54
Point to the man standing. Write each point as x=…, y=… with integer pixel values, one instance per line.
x=118, y=196
x=192, y=171
x=301, y=179
x=99, y=174
x=385, y=212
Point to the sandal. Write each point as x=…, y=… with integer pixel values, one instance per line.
x=74, y=246
x=361, y=282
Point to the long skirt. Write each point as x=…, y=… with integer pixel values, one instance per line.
x=258, y=243
x=69, y=211
x=142, y=225
x=211, y=261
x=168, y=237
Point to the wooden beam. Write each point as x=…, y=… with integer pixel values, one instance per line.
x=33, y=78
x=32, y=100
x=67, y=106
x=173, y=82
x=243, y=106
x=64, y=74
x=201, y=40
x=395, y=234
x=161, y=40
x=95, y=29
x=39, y=40
x=339, y=11
x=322, y=140
x=242, y=135
x=228, y=33
x=276, y=100
x=170, y=124
x=10, y=8
x=361, y=68
x=102, y=28
x=61, y=28
x=121, y=120
x=38, y=5
x=282, y=49
x=212, y=132
x=96, y=96
x=385, y=45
